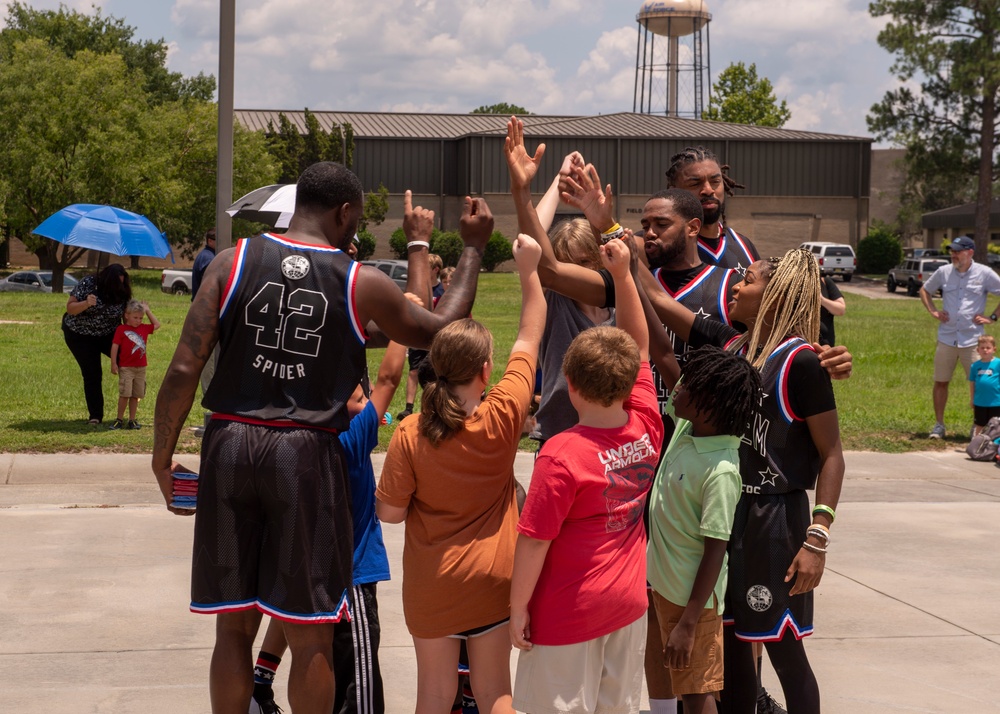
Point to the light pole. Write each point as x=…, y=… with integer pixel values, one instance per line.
x=224, y=170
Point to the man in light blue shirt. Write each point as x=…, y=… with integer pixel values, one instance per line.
x=963, y=285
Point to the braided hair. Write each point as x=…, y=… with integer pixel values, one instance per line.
x=695, y=155
x=791, y=302
x=723, y=385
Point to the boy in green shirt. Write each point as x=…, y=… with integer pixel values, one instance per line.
x=692, y=503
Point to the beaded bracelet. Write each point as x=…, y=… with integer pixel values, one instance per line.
x=813, y=548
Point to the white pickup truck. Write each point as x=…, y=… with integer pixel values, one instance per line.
x=177, y=282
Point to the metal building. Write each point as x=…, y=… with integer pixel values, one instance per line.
x=800, y=186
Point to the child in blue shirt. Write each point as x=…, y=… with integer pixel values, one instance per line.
x=358, y=680
x=984, y=378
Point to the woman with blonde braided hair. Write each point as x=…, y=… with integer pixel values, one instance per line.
x=776, y=551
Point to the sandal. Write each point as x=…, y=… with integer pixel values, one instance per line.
x=94, y=422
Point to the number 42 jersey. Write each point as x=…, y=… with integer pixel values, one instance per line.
x=291, y=347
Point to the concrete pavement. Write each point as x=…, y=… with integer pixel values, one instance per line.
x=94, y=591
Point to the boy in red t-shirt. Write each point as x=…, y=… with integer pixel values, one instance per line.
x=578, y=594
x=128, y=360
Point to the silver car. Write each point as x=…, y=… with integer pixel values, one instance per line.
x=395, y=269
x=34, y=281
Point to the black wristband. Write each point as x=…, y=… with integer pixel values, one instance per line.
x=993, y=317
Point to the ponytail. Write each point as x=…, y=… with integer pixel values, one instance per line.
x=457, y=355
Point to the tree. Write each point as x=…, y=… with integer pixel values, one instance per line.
x=739, y=96
x=949, y=126
x=69, y=32
x=376, y=208
x=81, y=129
x=294, y=151
x=500, y=108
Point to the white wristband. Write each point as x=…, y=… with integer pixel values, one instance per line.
x=420, y=243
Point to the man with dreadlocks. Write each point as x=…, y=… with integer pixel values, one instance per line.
x=777, y=554
x=691, y=509
x=698, y=171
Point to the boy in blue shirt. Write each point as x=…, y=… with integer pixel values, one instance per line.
x=357, y=677
x=984, y=378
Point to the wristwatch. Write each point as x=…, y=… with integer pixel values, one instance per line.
x=993, y=317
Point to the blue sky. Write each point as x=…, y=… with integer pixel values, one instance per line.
x=553, y=57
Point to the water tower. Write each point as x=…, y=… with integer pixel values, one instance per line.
x=672, y=74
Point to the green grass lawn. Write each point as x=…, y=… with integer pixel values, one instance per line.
x=885, y=406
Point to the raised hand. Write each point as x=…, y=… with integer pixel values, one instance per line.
x=520, y=164
x=583, y=191
x=573, y=159
x=476, y=225
x=616, y=258
x=418, y=223
x=527, y=253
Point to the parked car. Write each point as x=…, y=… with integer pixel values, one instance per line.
x=177, y=282
x=395, y=269
x=34, y=281
x=834, y=259
x=913, y=273
x=922, y=253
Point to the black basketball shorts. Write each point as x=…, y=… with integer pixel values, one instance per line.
x=273, y=528
x=768, y=532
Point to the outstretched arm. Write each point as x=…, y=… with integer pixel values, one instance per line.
x=628, y=309
x=532, y=323
x=573, y=281
x=546, y=208
x=418, y=224
x=402, y=321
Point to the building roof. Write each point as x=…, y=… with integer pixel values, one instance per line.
x=383, y=125
x=962, y=216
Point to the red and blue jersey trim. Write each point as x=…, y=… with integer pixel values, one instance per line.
x=742, y=244
x=787, y=622
x=299, y=245
x=692, y=285
x=342, y=611
x=235, y=275
x=724, y=294
x=784, y=403
x=278, y=423
x=352, y=303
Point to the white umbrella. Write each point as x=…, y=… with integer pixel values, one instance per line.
x=272, y=205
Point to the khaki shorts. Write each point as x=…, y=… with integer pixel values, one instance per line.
x=599, y=676
x=704, y=674
x=132, y=382
x=947, y=356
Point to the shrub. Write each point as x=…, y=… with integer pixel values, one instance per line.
x=366, y=245
x=879, y=251
x=448, y=245
x=498, y=250
x=397, y=243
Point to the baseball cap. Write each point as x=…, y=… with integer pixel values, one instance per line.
x=963, y=243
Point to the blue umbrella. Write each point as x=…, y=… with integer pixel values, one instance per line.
x=105, y=228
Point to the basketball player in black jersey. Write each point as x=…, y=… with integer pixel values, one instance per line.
x=698, y=171
x=291, y=315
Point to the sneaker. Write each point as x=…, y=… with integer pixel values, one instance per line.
x=938, y=431
x=133, y=424
x=117, y=424
x=403, y=414
x=767, y=705
x=264, y=706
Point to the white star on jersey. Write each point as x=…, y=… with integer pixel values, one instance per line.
x=768, y=477
x=701, y=311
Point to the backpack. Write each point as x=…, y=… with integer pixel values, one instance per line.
x=983, y=446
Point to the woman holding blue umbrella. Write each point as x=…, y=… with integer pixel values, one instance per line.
x=93, y=313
